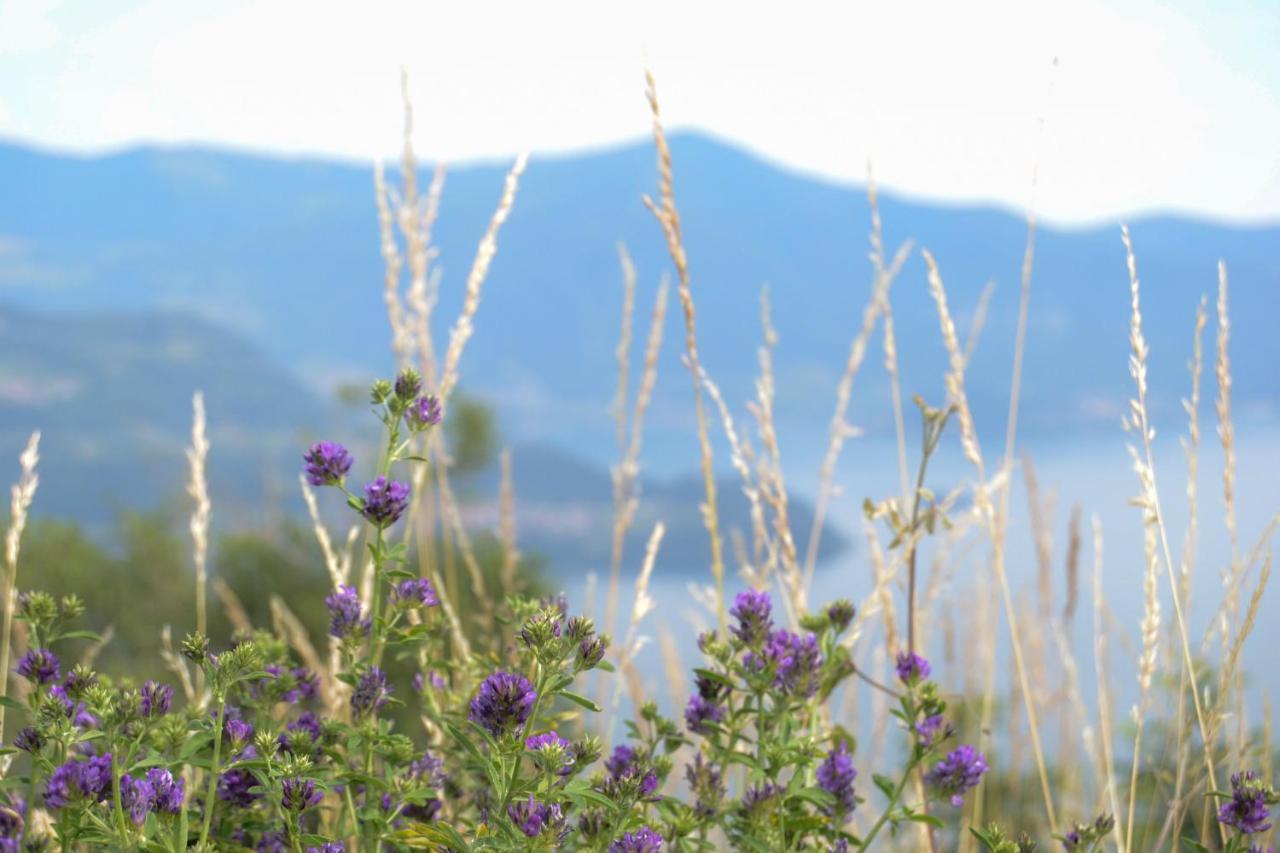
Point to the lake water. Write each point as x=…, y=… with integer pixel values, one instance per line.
x=1093, y=473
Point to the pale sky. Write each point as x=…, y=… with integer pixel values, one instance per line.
x=1150, y=106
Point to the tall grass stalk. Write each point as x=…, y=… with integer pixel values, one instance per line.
x=669, y=219
x=21, y=494
x=198, y=489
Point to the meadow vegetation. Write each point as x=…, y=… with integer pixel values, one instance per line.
x=411, y=683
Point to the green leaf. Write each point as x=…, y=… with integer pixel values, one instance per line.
x=583, y=794
x=1195, y=845
x=885, y=784
x=921, y=817
x=80, y=635
x=816, y=796
x=10, y=702
x=581, y=700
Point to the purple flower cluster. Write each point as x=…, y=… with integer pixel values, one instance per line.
x=541, y=743
x=912, y=667
x=156, y=698
x=303, y=682
x=752, y=609
x=297, y=795
x=29, y=739
x=758, y=796
x=1248, y=811
x=624, y=764
x=329, y=847
x=835, y=776
x=534, y=818
x=239, y=732
x=415, y=593
x=39, y=666
x=77, y=712
x=79, y=781
x=429, y=768
x=157, y=792
x=371, y=693
x=932, y=729
x=961, y=770
x=234, y=785
x=643, y=840
x=384, y=501
x=706, y=784
x=423, y=412
x=699, y=712
x=503, y=702
x=346, y=614
x=421, y=680
x=327, y=463
x=796, y=662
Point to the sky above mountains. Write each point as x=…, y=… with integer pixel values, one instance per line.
x=1118, y=108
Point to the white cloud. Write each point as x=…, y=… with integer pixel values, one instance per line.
x=1146, y=107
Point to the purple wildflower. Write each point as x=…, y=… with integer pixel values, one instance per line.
x=29, y=740
x=137, y=797
x=346, y=614
x=752, y=609
x=384, y=501
x=706, y=783
x=961, y=770
x=156, y=699
x=840, y=614
x=699, y=712
x=622, y=762
x=272, y=842
x=534, y=818
x=329, y=847
x=234, y=785
x=238, y=732
x=408, y=384
x=835, y=776
x=643, y=840
x=795, y=661
x=429, y=768
x=327, y=463
x=372, y=692
x=931, y=730
x=912, y=667
x=503, y=702
x=79, y=781
x=299, y=794
x=39, y=666
x=306, y=685
x=1248, y=809
x=542, y=743
x=415, y=593
x=433, y=678
x=758, y=796
x=168, y=793
x=423, y=412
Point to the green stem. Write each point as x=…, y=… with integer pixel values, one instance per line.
x=893, y=803
x=117, y=800
x=524, y=733
x=211, y=793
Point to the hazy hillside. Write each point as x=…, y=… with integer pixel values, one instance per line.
x=286, y=253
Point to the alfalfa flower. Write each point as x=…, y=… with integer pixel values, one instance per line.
x=1248, y=811
x=39, y=666
x=534, y=818
x=753, y=610
x=552, y=752
x=700, y=712
x=384, y=501
x=371, y=693
x=29, y=740
x=961, y=770
x=912, y=668
x=504, y=702
x=835, y=776
x=408, y=384
x=795, y=660
x=79, y=781
x=346, y=614
x=327, y=463
x=156, y=698
x=643, y=840
x=297, y=795
x=415, y=592
x=423, y=413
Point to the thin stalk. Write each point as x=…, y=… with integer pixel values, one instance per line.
x=211, y=792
